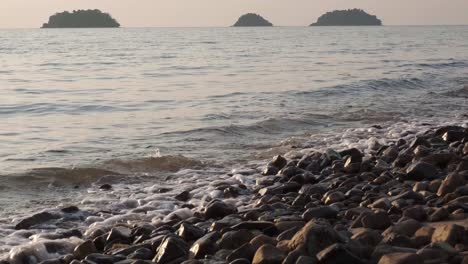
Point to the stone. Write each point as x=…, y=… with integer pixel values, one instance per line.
x=439, y=214
x=70, y=209
x=205, y=245
x=450, y=184
x=314, y=237
x=189, y=232
x=406, y=227
x=260, y=240
x=171, y=249
x=254, y=225
x=401, y=258
x=102, y=259
x=84, y=249
x=240, y=261
x=268, y=254
x=278, y=162
x=218, y=209
x=337, y=254
x=416, y=212
x=141, y=254
x=452, y=136
x=120, y=234
x=378, y=220
x=421, y=171
x=367, y=237
x=334, y=197
x=382, y=203
x=246, y=251
x=449, y=233
x=320, y=212
x=106, y=187
x=235, y=239
x=35, y=219
x=183, y=196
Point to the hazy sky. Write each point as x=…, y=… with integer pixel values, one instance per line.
x=149, y=13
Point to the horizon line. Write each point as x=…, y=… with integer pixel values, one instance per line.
x=290, y=26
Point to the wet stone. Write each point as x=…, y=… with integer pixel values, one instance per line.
x=84, y=249
x=206, y=245
x=449, y=233
x=235, y=239
x=35, y=219
x=314, y=237
x=183, y=196
x=337, y=254
x=171, y=249
x=268, y=254
x=189, y=232
x=421, y=171
x=401, y=258
x=218, y=209
x=320, y=212
x=246, y=251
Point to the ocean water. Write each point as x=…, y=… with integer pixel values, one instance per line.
x=142, y=107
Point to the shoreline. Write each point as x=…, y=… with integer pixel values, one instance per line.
x=281, y=213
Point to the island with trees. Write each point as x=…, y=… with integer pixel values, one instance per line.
x=350, y=17
x=82, y=19
x=252, y=20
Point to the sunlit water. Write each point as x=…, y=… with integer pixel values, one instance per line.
x=113, y=98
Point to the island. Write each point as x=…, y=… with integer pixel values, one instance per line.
x=350, y=17
x=81, y=19
x=252, y=20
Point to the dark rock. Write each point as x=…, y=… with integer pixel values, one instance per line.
x=35, y=219
x=320, y=212
x=278, y=162
x=183, y=196
x=354, y=153
x=235, y=239
x=401, y=258
x=218, y=209
x=142, y=254
x=306, y=260
x=314, y=237
x=171, y=249
x=103, y=259
x=268, y=254
x=70, y=209
x=421, y=171
x=337, y=254
x=206, y=245
x=452, y=136
x=439, y=214
x=416, y=212
x=378, y=220
x=240, y=261
x=119, y=233
x=105, y=187
x=246, y=251
x=254, y=225
x=451, y=183
x=367, y=237
x=189, y=232
x=84, y=249
x=406, y=227
x=418, y=142
x=260, y=240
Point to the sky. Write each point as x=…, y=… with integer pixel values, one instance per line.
x=206, y=13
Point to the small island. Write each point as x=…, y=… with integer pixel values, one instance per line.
x=81, y=19
x=252, y=20
x=350, y=17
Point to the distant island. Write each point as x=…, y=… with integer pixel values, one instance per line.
x=350, y=17
x=252, y=20
x=81, y=19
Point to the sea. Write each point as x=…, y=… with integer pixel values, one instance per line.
x=150, y=108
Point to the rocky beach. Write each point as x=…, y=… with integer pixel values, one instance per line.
x=403, y=200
